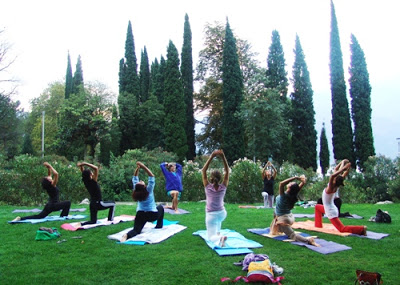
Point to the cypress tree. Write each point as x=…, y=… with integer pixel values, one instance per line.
x=232, y=95
x=187, y=80
x=129, y=93
x=342, y=136
x=360, y=93
x=304, y=142
x=77, y=84
x=276, y=73
x=68, y=79
x=115, y=133
x=144, y=76
x=174, y=105
x=323, y=151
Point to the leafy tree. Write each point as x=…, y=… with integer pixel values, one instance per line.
x=144, y=76
x=276, y=73
x=304, y=140
x=157, y=79
x=27, y=147
x=342, y=136
x=68, y=79
x=8, y=83
x=187, y=80
x=232, y=95
x=360, y=92
x=129, y=92
x=115, y=133
x=323, y=151
x=175, y=122
x=10, y=134
x=77, y=80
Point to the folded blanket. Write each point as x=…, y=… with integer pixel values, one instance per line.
x=49, y=219
x=150, y=234
x=101, y=222
x=326, y=247
x=328, y=228
x=235, y=243
x=39, y=210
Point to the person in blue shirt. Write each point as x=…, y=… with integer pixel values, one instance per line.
x=173, y=182
x=146, y=210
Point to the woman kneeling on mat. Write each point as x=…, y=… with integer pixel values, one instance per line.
x=89, y=178
x=146, y=210
x=283, y=217
x=329, y=207
x=215, y=193
x=49, y=183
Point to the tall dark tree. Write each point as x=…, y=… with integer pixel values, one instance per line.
x=9, y=125
x=360, y=93
x=232, y=95
x=129, y=93
x=115, y=133
x=323, y=151
x=157, y=79
x=276, y=73
x=187, y=80
x=77, y=81
x=304, y=140
x=68, y=79
x=278, y=81
x=144, y=76
x=342, y=134
x=174, y=105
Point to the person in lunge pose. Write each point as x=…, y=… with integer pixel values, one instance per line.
x=268, y=176
x=89, y=178
x=146, y=210
x=173, y=182
x=283, y=217
x=215, y=193
x=49, y=183
x=329, y=208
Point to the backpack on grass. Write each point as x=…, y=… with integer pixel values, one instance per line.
x=382, y=217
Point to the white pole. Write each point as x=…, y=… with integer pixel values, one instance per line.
x=42, y=133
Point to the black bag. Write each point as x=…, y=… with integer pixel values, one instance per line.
x=382, y=217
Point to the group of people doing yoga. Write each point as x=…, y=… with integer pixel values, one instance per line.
x=215, y=189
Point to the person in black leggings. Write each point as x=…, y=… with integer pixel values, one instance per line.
x=89, y=178
x=49, y=183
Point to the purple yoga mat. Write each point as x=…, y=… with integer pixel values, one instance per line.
x=180, y=211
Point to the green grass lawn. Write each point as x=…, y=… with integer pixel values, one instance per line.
x=186, y=259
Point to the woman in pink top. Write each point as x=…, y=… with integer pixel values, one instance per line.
x=329, y=208
x=215, y=193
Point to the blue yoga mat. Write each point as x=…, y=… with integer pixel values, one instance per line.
x=49, y=219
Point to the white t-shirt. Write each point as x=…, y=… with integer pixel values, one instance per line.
x=331, y=210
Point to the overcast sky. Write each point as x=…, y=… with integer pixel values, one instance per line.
x=42, y=33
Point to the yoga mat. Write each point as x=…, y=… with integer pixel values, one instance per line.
x=235, y=244
x=101, y=222
x=311, y=216
x=49, y=219
x=253, y=207
x=326, y=247
x=330, y=229
x=38, y=210
x=149, y=234
x=180, y=211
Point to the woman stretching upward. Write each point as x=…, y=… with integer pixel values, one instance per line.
x=49, y=183
x=329, y=207
x=268, y=178
x=89, y=178
x=173, y=182
x=146, y=210
x=215, y=193
x=283, y=217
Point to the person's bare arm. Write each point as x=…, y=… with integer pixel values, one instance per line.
x=283, y=184
x=303, y=180
x=205, y=168
x=226, y=168
x=275, y=172
x=144, y=167
x=52, y=172
x=93, y=167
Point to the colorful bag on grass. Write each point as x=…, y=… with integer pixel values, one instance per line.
x=368, y=278
x=46, y=234
x=260, y=271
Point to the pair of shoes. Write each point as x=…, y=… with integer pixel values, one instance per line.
x=277, y=269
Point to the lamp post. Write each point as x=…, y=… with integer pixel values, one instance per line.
x=43, y=134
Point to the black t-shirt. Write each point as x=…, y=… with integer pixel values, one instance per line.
x=93, y=189
x=54, y=194
x=269, y=185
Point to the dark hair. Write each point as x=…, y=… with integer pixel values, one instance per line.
x=86, y=175
x=339, y=181
x=46, y=184
x=215, y=177
x=294, y=190
x=140, y=193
